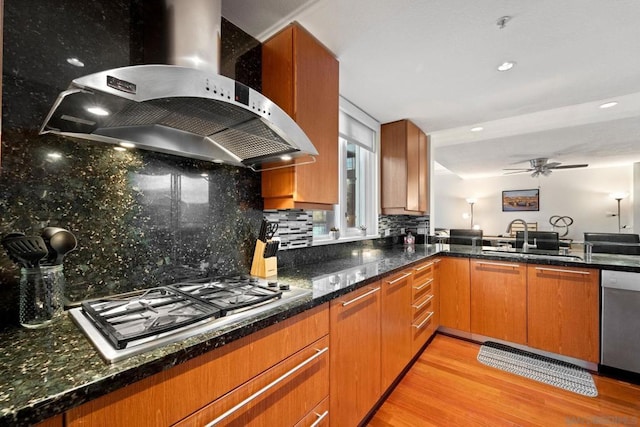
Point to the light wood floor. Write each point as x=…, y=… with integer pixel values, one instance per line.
x=447, y=386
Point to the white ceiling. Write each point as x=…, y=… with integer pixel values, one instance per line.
x=434, y=62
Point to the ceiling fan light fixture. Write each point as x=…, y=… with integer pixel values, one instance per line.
x=506, y=66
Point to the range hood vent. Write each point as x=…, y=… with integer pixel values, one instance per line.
x=189, y=111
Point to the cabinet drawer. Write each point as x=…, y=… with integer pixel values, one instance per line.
x=420, y=289
x=422, y=329
x=281, y=395
x=423, y=272
x=399, y=279
x=422, y=305
x=318, y=417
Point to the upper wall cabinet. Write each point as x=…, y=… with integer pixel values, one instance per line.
x=301, y=76
x=404, y=169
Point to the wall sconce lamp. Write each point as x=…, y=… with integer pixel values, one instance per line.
x=618, y=197
x=471, y=201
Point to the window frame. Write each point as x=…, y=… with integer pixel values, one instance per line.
x=371, y=164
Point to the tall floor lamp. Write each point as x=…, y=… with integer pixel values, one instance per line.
x=618, y=197
x=471, y=201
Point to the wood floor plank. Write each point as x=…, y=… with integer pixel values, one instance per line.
x=447, y=386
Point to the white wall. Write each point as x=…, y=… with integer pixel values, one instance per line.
x=582, y=194
x=636, y=196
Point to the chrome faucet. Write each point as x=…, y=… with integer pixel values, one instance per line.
x=525, y=245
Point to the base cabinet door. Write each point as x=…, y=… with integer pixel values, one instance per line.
x=563, y=310
x=282, y=395
x=355, y=355
x=455, y=294
x=395, y=325
x=499, y=300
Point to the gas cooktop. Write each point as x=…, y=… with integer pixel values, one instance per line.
x=127, y=324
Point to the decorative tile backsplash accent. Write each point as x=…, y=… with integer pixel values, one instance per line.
x=395, y=224
x=295, y=227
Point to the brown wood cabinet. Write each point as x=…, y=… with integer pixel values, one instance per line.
x=169, y=396
x=55, y=421
x=318, y=417
x=499, y=300
x=282, y=395
x=563, y=310
x=301, y=76
x=396, y=334
x=404, y=169
x=424, y=304
x=355, y=355
x=455, y=294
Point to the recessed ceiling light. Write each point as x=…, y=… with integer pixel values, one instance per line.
x=506, y=66
x=75, y=62
x=119, y=148
x=609, y=104
x=477, y=129
x=54, y=155
x=98, y=111
x=126, y=144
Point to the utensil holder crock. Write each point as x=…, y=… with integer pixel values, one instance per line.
x=41, y=295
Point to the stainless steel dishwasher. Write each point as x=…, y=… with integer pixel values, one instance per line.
x=621, y=320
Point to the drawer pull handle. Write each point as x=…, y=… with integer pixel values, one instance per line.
x=422, y=267
x=372, y=291
x=321, y=417
x=419, y=306
x=268, y=386
x=405, y=275
x=428, y=282
x=423, y=322
x=498, y=264
x=560, y=270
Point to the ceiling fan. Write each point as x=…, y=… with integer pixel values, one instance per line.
x=543, y=167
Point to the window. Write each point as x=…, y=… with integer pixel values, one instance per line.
x=358, y=206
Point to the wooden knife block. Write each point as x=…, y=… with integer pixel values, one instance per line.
x=261, y=266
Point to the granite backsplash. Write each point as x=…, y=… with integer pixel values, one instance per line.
x=141, y=218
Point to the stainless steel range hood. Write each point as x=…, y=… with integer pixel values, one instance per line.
x=189, y=111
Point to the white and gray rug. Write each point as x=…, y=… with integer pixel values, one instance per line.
x=540, y=368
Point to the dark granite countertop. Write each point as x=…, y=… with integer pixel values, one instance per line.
x=48, y=371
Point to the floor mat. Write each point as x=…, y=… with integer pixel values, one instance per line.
x=540, y=368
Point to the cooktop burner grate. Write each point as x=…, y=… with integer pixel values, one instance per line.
x=143, y=314
x=146, y=314
x=228, y=294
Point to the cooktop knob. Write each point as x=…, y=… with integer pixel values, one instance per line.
x=284, y=287
x=272, y=284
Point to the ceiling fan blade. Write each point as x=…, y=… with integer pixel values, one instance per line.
x=551, y=165
x=570, y=166
x=535, y=174
x=516, y=171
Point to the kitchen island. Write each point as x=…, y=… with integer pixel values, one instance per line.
x=51, y=370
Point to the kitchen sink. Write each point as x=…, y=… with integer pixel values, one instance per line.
x=531, y=255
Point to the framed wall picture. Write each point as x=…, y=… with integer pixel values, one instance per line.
x=521, y=200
